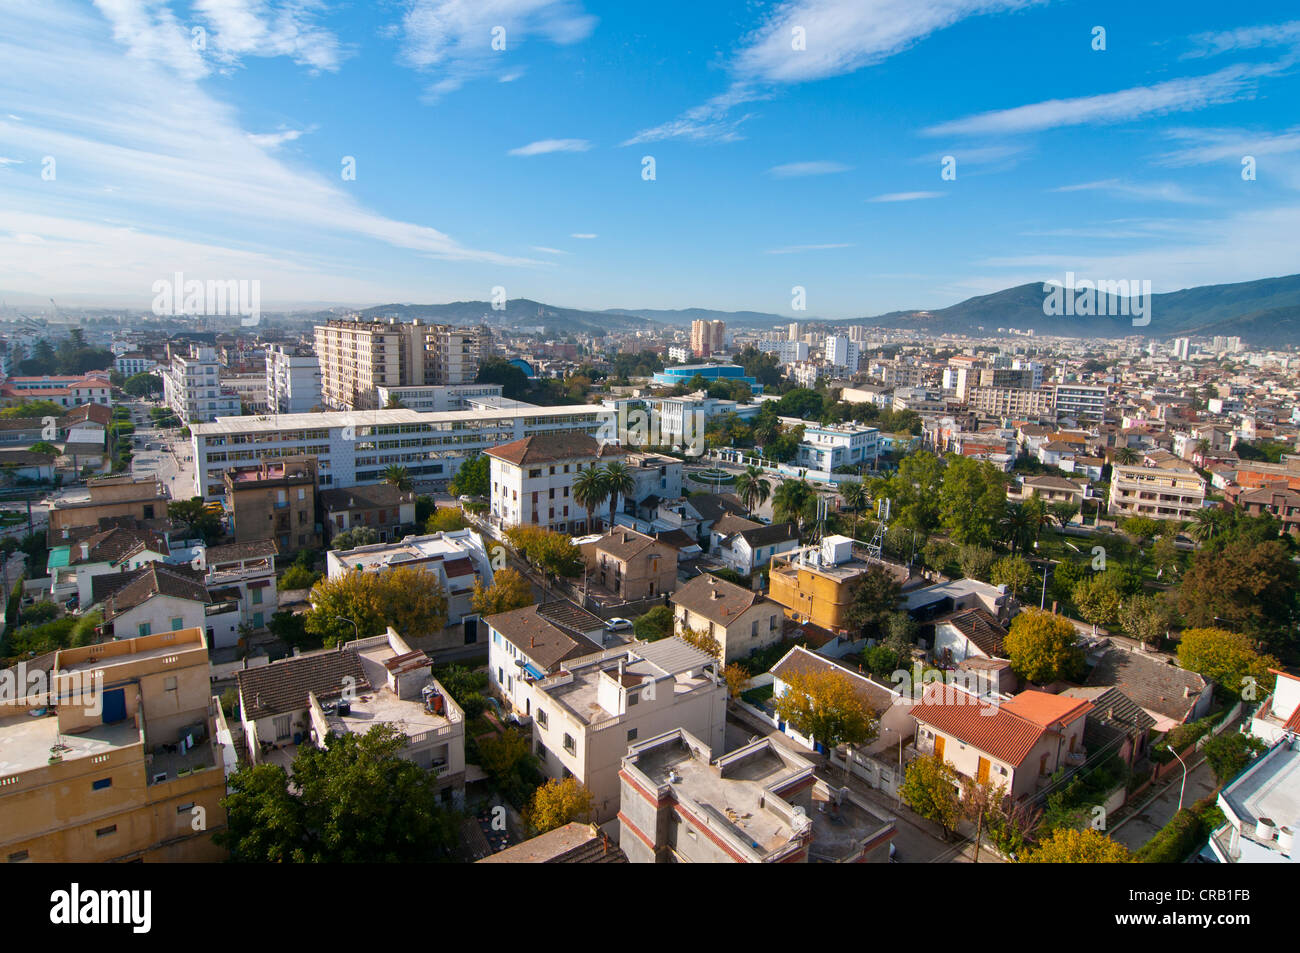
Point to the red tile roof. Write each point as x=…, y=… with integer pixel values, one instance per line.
x=999, y=733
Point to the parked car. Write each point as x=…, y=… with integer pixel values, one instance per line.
x=617, y=624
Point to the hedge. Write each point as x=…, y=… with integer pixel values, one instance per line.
x=1184, y=833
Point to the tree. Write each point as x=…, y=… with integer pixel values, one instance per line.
x=930, y=789
x=753, y=489
x=875, y=598
x=1141, y=528
x=1146, y=618
x=702, y=640
x=354, y=800
x=1251, y=585
x=508, y=760
x=979, y=799
x=792, y=502
x=1066, y=845
x=446, y=519
x=824, y=704
x=976, y=562
x=509, y=590
x=971, y=500
x=655, y=624
x=736, y=677
x=557, y=803
x=1097, y=600
x=1164, y=555
x=142, y=385
x=354, y=537
x=408, y=598
x=297, y=577
x=473, y=478
x=497, y=370
x=550, y=552
x=1063, y=513
x=398, y=476
x=620, y=482
x=1043, y=648
x=591, y=490
x=1016, y=525
x=195, y=515
x=854, y=495
x=1229, y=753
x=394, y=403
x=1125, y=456
x=45, y=447
x=1228, y=658
x=1012, y=572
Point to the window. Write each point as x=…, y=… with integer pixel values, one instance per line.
x=105, y=831
x=143, y=629
x=177, y=624
x=101, y=784
x=18, y=857
x=169, y=683
x=541, y=717
x=753, y=629
x=570, y=745
x=185, y=808
x=633, y=699
x=256, y=596
x=631, y=734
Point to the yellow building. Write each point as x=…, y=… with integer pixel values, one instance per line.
x=125, y=765
x=817, y=583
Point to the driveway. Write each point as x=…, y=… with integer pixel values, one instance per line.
x=1152, y=814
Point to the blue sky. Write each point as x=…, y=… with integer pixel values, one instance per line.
x=522, y=168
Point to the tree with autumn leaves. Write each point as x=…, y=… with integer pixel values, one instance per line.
x=1043, y=647
x=1069, y=846
x=408, y=598
x=509, y=590
x=823, y=704
x=557, y=803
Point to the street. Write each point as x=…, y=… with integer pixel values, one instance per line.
x=1153, y=814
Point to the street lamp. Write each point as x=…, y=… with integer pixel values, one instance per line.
x=354, y=625
x=1183, y=788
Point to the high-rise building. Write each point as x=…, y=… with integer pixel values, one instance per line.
x=794, y=331
x=841, y=353
x=357, y=357
x=192, y=387
x=292, y=380
x=1182, y=348
x=708, y=337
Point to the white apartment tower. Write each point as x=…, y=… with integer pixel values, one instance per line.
x=292, y=380
x=192, y=387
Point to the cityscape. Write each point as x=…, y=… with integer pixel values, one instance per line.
x=949, y=516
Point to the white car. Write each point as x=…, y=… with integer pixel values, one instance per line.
x=617, y=625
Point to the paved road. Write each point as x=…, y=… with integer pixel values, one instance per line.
x=1136, y=829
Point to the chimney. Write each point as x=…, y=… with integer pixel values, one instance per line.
x=85, y=550
x=532, y=641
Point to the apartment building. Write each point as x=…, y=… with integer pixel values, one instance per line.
x=116, y=757
x=383, y=507
x=630, y=565
x=244, y=572
x=540, y=640
x=357, y=357
x=192, y=387
x=274, y=500
x=842, y=354
x=1080, y=401
x=1260, y=809
x=367, y=682
x=532, y=481
x=1015, y=402
x=817, y=583
x=740, y=620
x=64, y=391
x=787, y=352
x=437, y=398
x=585, y=716
x=124, y=495
x=1161, y=487
x=134, y=362
x=292, y=380
x=759, y=804
x=825, y=448
x=708, y=337
x=355, y=448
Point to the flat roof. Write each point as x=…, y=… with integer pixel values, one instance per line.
x=26, y=741
x=380, y=418
x=1269, y=788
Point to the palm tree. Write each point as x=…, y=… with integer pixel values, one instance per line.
x=591, y=490
x=854, y=495
x=1204, y=523
x=1126, y=456
x=398, y=476
x=1017, y=525
x=753, y=489
x=790, y=502
x=394, y=403
x=620, y=481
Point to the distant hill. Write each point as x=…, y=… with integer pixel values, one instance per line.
x=1266, y=311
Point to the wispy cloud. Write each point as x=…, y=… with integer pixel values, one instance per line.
x=795, y=249
x=794, y=170
x=545, y=146
x=273, y=140
x=585, y=235
x=1203, y=146
x=548, y=251
x=240, y=28
x=1176, y=95
x=1245, y=38
x=453, y=39
x=1155, y=192
x=905, y=196
x=839, y=37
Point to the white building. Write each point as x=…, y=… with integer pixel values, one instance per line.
x=841, y=353
x=848, y=445
x=681, y=353
x=532, y=481
x=292, y=380
x=354, y=448
x=134, y=362
x=192, y=387
x=787, y=352
x=1080, y=401
x=438, y=398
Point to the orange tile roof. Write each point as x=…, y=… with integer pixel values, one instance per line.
x=1046, y=709
x=1003, y=735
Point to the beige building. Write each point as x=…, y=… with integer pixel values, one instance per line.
x=741, y=620
x=708, y=337
x=110, y=496
x=1015, y=402
x=631, y=565
x=127, y=764
x=356, y=357
x=274, y=500
x=1162, y=487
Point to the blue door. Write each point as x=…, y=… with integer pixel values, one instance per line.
x=114, y=705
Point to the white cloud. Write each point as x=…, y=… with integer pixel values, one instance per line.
x=546, y=146
x=273, y=140
x=1158, y=192
x=1176, y=95
x=795, y=170
x=153, y=148
x=841, y=36
x=548, y=251
x=242, y=28
x=584, y=235
x=1202, y=146
x=5, y=160
x=1245, y=38
x=905, y=196
x=795, y=249
x=452, y=39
